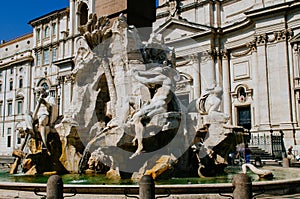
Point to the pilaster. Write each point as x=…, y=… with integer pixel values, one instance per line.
x=226, y=82
x=262, y=84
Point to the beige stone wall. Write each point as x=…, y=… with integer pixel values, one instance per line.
x=108, y=7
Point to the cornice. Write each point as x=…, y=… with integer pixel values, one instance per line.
x=49, y=45
x=64, y=61
x=271, y=10
x=49, y=17
x=18, y=39
x=28, y=58
x=245, y=23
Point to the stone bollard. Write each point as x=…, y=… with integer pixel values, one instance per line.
x=147, y=187
x=55, y=187
x=285, y=163
x=242, y=186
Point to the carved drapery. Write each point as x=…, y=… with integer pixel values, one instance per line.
x=250, y=47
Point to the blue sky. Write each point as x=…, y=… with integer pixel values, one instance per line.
x=15, y=15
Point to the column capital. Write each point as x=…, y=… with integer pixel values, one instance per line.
x=261, y=39
x=224, y=53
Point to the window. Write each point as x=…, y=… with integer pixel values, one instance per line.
x=1, y=113
x=54, y=54
x=21, y=82
x=83, y=14
x=20, y=107
x=11, y=70
x=46, y=57
x=54, y=29
x=38, y=59
x=46, y=33
x=0, y=86
x=19, y=140
x=244, y=117
x=38, y=34
x=242, y=94
x=9, y=107
x=0, y=73
x=11, y=85
x=8, y=137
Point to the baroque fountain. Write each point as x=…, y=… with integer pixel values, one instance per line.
x=125, y=119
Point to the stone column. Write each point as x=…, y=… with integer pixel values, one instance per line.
x=208, y=73
x=196, y=76
x=72, y=17
x=255, y=115
x=60, y=94
x=67, y=90
x=226, y=82
x=296, y=65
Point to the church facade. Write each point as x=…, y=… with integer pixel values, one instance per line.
x=248, y=47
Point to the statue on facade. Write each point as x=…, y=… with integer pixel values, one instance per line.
x=174, y=8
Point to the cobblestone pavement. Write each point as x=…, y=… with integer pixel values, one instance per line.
x=293, y=196
x=9, y=194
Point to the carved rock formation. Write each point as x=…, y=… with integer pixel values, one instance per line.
x=125, y=119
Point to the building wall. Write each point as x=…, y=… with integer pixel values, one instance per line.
x=15, y=82
x=248, y=48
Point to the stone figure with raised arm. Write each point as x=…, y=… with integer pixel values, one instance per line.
x=162, y=77
x=209, y=104
x=44, y=114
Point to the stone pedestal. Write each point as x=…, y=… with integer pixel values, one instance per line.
x=242, y=186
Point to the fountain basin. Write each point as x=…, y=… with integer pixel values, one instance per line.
x=277, y=186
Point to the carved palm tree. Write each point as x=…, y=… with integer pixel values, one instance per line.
x=110, y=83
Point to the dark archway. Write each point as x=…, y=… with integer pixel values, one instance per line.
x=83, y=14
x=102, y=99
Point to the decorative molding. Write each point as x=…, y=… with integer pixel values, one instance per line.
x=241, y=70
x=224, y=53
x=251, y=47
x=281, y=35
x=241, y=54
x=50, y=17
x=69, y=78
x=242, y=100
x=261, y=39
x=212, y=53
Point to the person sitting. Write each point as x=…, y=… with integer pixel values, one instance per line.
x=290, y=155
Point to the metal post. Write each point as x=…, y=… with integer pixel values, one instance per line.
x=55, y=187
x=242, y=186
x=147, y=187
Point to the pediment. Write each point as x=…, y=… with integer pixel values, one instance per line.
x=295, y=39
x=174, y=29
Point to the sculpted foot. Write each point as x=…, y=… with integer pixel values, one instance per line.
x=138, y=152
x=133, y=141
